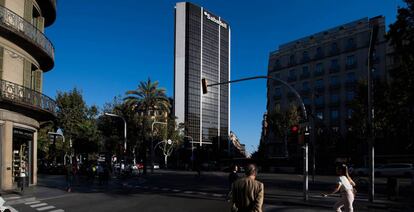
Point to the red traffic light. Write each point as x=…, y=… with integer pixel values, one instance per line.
x=294, y=129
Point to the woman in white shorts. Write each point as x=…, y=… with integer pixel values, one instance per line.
x=345, y=185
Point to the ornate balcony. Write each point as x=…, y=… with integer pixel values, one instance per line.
x=24, y=34
x=26, y=101
x=48, y=8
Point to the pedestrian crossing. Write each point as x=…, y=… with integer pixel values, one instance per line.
x=174, y=190
x=32, y=202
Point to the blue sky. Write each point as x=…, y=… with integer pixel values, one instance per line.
x=105, y=48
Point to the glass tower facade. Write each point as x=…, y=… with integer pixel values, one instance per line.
x=202, y=50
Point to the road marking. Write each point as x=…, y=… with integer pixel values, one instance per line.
x=45, y=208
x=12, y=198
x=33, y=202
x=176, y=190
x=38, y=205
x=58, y=210
x=217, y=195
x=202, y=193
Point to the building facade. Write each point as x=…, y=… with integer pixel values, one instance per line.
x=25, y=54
x=325, y=69
x=202, y=50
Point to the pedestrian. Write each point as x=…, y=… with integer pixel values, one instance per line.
x=247, y=192
x=69, y=177
x=345, y=185
x=233, y=176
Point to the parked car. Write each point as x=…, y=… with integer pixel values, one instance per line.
x=395, y=170
x=364, y=171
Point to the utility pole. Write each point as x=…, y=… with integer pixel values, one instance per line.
x=370, y=110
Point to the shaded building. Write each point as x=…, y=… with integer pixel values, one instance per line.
x=325, y=69
x=25, y=55
x=202, y=50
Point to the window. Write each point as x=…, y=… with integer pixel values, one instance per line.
x=350, y=60
x=350, y=43
x=334, y=48
x=335, y=80
x=292, y=59
x=276, y=64
x=305, y=72
x=292, y=75
x=334, y=114
x=334, y=63
x=334, y=98
x=319, y=83
x=350, y=77
x=319, y=52
x=319, y=69
x=319, y=100
x=350, y=95
x=305, y=85
x=305, y=56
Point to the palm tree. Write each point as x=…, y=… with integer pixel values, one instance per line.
x=148, y=100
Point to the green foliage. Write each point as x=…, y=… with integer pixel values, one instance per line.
x=279, y=122
x=77, y=121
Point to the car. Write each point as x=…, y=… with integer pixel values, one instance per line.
x=364, y=171
x=395, y=170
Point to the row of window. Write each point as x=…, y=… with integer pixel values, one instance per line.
x=333, y=114
x=319, y=53
x=319, y=69
x=334, y=80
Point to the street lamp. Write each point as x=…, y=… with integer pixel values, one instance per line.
x=125, y=128
x=152, y=141
x=59, y=133
x=205, y=85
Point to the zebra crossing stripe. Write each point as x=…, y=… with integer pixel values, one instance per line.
x=38, y=205
x=31, y=203
x=58, y=210
x=12, y=198
x=45, y=208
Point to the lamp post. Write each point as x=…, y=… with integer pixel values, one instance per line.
x=205, y=85
x=125, y=128
x=59, y=133
x=152, y=140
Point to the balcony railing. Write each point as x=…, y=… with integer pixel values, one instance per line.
x=24, y=96
x=17, y=24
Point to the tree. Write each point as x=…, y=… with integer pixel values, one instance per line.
x=77, y=121
x=150, y=102
x=279, y=123
x=401, y=39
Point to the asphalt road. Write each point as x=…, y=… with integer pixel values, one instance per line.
x=168, y=191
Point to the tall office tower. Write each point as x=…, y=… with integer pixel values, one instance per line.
x=202, y=50
x=25, y=54
x=324, y=68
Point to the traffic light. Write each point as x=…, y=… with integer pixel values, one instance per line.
x=204, y=85
x=294, y=130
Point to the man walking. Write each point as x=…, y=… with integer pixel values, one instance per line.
x=247, y=192
x=233, y=176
